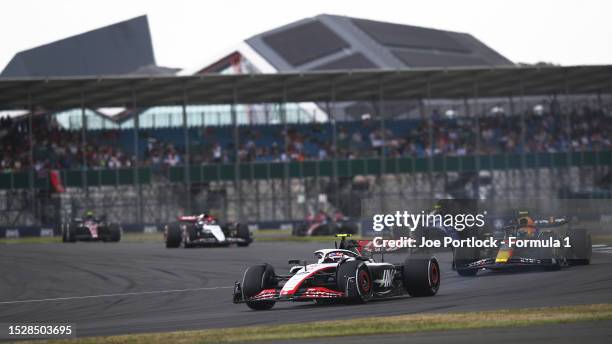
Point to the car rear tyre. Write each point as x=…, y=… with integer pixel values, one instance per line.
x=69, y=233
x=582, y=249
x=257, y=278
x=361, y=289
x=190, y=236
x=348, y=228
x=64, y=233
x=421, y=277
x=299, y=230
x=173, y=236
x=462, y=257
x=556, y=256
x=115, y=232
x=242, y=232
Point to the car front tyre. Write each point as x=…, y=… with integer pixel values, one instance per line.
x=421, y=277
x=257, y=278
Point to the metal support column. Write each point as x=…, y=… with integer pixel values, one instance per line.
x=332, y=116
x=430, y=135
x=286, y=175
x=136, y=160
x=478, y=138
x=84, y=184
x=187, y=157
x=237, y=182
x=383, y=148
x=568, y=132
x=507, y=173
x=523, y=109
x=31, y=153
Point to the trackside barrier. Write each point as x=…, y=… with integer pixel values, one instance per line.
x=314, y=168
x=48, y=231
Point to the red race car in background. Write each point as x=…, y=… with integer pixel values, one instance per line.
x=324, y=224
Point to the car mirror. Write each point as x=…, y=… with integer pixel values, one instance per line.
x=294, y=262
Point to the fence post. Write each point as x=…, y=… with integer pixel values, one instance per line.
x=187, y=156
x=31, y=152
x=568, y=129
x=237, y=185
x=84, y=181
x=523, y=132
x=286, y=163
x=430, y=136
x=478, y=138
x=383, y=148
x=136, y=118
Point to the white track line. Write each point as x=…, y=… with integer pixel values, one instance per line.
x=607, y=249
x=111, y=295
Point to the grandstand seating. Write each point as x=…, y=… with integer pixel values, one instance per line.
x=59, y=148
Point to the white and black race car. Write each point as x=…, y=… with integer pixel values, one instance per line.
x=204, y=230
x=341, y=274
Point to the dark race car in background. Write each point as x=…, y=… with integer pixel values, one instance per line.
x=205, y=230
x=91, y=229
x=341, y=274
x=323, y=224
x=468, y=261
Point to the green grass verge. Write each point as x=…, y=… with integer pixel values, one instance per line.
x=285, y=235
x=31, y=240
x=127, y=237
x=262, y=235
x=258, y=235
x=601, y=239
x=369, y=326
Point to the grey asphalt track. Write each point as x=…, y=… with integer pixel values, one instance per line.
x=143, y=287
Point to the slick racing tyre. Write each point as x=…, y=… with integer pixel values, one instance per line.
x=69, y=233
x=581, y=250
x=190, y=236
x=64, y=233
x=462, y=257
x=354, y=279
x=299, y=230
x=257, y=278
x=421, y=277
x=242, y=232
x=347, y=228
x=113, y=233
x=557, y=259
x=173, y=236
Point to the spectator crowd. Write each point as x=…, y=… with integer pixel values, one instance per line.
x=59, y=148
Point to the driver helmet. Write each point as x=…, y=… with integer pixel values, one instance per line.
x=527, y=227
x=89, y=214
x=205, y=217
x=335, y=257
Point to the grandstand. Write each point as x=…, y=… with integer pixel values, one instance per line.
x=279, y=145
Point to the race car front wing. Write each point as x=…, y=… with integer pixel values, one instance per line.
x=492, y=263
x=302, y=294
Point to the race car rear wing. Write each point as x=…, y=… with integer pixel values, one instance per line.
x=187, y=218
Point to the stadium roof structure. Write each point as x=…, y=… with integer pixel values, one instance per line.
x=331, y=42
x=366, y=85
x=121, y=48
